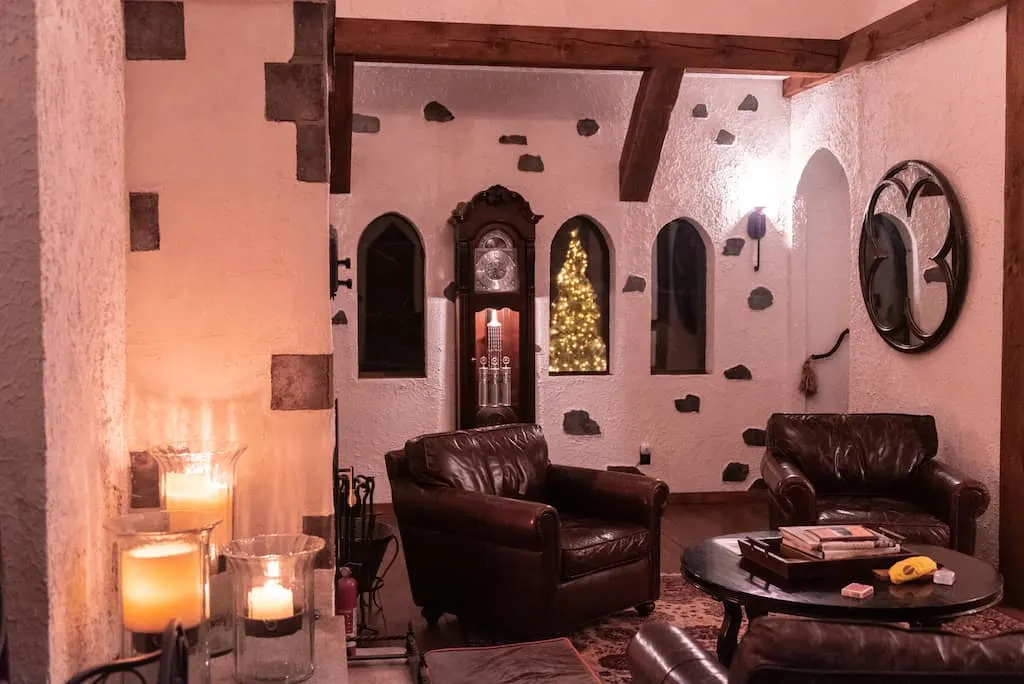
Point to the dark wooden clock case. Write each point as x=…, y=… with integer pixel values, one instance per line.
x=496, y=207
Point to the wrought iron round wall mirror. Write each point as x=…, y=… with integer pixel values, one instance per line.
x=913, y=257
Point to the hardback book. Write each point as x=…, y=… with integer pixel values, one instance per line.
x=838, y=541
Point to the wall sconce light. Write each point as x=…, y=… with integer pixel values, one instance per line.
x=756, y=226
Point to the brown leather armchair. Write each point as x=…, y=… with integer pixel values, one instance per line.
x=874, y=469
x=495, y=533
x=781, y=650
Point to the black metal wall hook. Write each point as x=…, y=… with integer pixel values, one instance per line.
x=335, y=263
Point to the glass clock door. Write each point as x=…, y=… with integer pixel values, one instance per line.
x=497, y=359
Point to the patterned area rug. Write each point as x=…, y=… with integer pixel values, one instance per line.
x=603, y=644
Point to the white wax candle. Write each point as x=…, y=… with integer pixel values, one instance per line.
x=270, y=602
x=160, y=582
x=199, y=492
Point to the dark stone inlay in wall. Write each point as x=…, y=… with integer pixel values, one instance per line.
x=154, y=30
x=311, y=145
x=758, y=484
x=934, y=275
x=145, y=481
x=531, y=162
x=144, y=221
x=739, y=372
x=536, y=349
x=301, y=382
x=749, y=104
x=755, y=437
x=689, y=404
x=295, y=91
x=450, y=291
x=587, y=127
x=733, y=247
x=339, y=318
x=363, y=123
x=735, y=472
x=760, y=298
x=725, y=138
x=700, y=111
x=310, y=31
x=634, y=283
x=435, y=111
x=578, y=422
x=321, y=526
x=513, y=139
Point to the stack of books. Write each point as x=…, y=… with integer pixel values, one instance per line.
x=831, y=542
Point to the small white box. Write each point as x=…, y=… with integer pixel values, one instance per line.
x=944, y=576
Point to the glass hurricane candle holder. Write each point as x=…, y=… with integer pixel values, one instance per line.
x=199, y=475
x=273, y=606
x=163, y=575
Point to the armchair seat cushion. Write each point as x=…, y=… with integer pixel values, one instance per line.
x=899, y=516
x=589, y=544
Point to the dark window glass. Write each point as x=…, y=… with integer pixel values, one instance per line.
x=679, y=300
x=390, y=284
x=889, y=286
x=579, y=322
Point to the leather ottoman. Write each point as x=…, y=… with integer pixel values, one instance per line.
x=554, y=661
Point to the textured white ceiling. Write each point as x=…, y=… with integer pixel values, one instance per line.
x=795, y=18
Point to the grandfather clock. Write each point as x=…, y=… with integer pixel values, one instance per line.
x=494, y=309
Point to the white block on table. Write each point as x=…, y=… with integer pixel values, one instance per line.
x=944, y=576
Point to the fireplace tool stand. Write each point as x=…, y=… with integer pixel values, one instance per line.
x=362, y=542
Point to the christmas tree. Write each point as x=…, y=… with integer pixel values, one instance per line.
x=576, y=343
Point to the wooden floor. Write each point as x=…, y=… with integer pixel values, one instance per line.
x=682, y=526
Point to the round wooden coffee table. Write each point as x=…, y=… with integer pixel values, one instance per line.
x=719, y=571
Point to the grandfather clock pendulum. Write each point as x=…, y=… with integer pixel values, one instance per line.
x=494, y=309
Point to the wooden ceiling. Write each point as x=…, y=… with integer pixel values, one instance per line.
x=662, y=57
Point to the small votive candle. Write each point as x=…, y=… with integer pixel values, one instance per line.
x=271, y=602
x=161, y=582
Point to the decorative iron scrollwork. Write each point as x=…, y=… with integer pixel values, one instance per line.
x=172, y=660
x=913, y=257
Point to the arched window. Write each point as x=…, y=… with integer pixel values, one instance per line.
x=580, y=283
x=679, y=301
x=390, y=287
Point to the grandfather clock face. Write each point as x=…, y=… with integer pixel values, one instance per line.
x=496, y=263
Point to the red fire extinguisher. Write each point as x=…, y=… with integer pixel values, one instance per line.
x=346, y=603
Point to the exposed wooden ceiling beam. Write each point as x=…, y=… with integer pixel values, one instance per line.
x=648, y=125
x=422, y=42
x=905, y=28
x=340, y=122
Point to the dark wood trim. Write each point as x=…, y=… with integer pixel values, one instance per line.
x=707, y=498
x=1011, y=443
x=426, y=42
x=904, y=28
x=340, y=123
x=648, y=126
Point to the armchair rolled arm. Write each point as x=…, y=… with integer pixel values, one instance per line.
x=495, y=519
x=791, y=489
x=949, y=495
x=607, y=494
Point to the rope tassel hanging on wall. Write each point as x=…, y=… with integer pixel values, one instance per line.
x=808, y=378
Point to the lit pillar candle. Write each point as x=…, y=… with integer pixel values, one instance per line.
x=199, y=492
x=271, y=602
x=161, y=582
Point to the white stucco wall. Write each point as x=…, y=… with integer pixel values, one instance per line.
x=422, y=170
x=241, y=271
x=943, y=102
x=64, y=227
x=799, y=18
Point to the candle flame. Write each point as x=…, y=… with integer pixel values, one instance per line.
x=273, y=569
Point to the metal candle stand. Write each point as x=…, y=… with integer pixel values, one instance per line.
x=361, y=544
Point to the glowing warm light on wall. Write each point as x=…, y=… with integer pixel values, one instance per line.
x=761, y=185
x=576, y=342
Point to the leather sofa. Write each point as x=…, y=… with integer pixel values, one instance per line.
x=496, y=534
x=781, y=650
x=874, y=469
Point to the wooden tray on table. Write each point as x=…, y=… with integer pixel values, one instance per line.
x=767, y=554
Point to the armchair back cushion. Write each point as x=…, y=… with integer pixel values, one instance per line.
x=854, y=453
x=508, y=460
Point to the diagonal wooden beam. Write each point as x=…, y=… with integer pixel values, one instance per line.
x=423, y=42
x=648, y=125
x=904, y=28
x=1011, y=441
x=339, y=122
